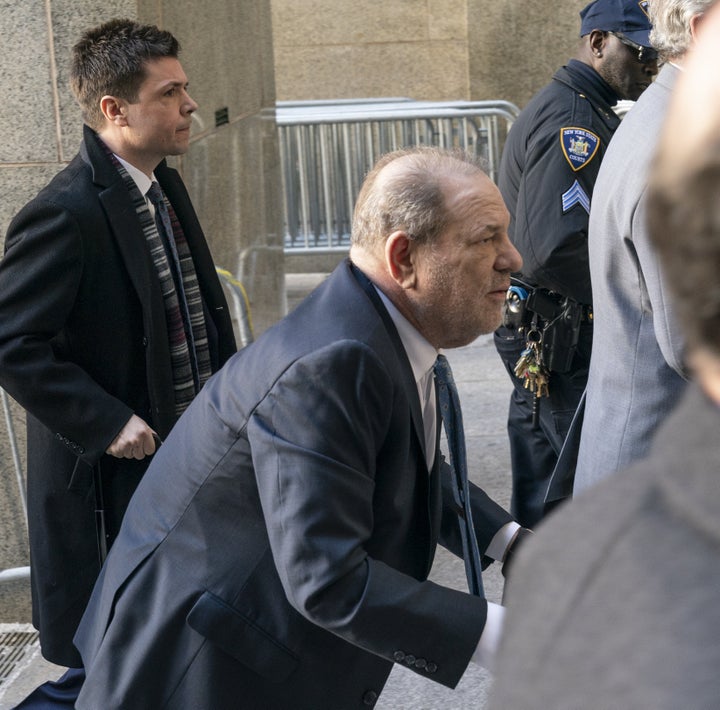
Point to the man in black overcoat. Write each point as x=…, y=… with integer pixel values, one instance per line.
x=108, y=324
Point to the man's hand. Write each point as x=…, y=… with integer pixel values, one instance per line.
x=136, y=440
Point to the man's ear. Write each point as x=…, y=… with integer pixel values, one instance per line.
x=597, y=42
x=400, y=256
x=695, y=24
x=114, y=110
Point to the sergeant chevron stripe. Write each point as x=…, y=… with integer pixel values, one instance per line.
x=575, y=196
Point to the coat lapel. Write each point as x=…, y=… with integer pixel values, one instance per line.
x=210, y=288
x=125, y=227
x=406, y=374
x=428, y=481
x=122, y=220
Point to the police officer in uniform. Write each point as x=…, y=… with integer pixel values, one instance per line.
x=548, y=169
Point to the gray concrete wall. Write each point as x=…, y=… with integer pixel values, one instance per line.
x=425, y=49
x=14, y=595
x=349, y=48
x=515, y=47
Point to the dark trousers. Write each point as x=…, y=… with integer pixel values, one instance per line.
x=60, y=693
x=534, y=448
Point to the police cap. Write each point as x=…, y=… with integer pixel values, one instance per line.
x=629, y=17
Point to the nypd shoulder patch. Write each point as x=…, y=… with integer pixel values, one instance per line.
x=579, y=146
x=575, y=196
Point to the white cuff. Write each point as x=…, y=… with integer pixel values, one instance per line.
x=498, y=545
x=490, y=639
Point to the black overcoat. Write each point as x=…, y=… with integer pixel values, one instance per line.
x=83, y=346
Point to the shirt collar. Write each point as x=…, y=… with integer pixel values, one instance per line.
x=142, y=181
x=420, y=352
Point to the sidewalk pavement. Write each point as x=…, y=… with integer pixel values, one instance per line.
x=484, y=389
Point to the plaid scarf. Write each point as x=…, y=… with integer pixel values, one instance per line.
x=189, y=349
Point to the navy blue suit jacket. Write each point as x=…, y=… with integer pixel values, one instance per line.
x=276, y=553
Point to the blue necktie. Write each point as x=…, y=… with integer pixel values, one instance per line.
x=452, y=420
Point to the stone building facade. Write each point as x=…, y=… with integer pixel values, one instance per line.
x=424, y=49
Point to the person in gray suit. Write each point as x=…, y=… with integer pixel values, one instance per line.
x=276, y=552
x=628, y=615
x=637, y=366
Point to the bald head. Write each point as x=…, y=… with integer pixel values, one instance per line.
x=404, y=191
x=430, y=230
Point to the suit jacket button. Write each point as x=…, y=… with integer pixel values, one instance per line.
x=144, y=341
x=431, y=667
x=399, y=656
x=410, y=659
x=370, y=697
x=420, y=663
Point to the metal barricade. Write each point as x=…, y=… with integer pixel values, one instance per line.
x=241, y=305
x=14, y=573
x=326, y=148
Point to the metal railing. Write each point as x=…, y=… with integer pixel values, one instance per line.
x=241, y=305
x=326, y=148
x=14, y=573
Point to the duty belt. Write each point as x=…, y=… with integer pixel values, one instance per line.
x=551, y=324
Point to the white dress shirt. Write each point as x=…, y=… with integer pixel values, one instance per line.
x=142, y=181
x=422, y=356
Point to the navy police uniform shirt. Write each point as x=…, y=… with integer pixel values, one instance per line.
x=548, y=170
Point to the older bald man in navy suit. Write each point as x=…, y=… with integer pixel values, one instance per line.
x=276, y=553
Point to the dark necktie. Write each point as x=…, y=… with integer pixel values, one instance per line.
x=452, y=420
x=164, y=225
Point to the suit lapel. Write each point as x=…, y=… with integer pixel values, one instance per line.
x=428, y=481
x=435, y=495
x=406, y=374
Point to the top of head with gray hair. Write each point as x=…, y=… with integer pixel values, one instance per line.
x=671, y=19
x=404, y=191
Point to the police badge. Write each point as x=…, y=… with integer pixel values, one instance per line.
x=579, y=146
